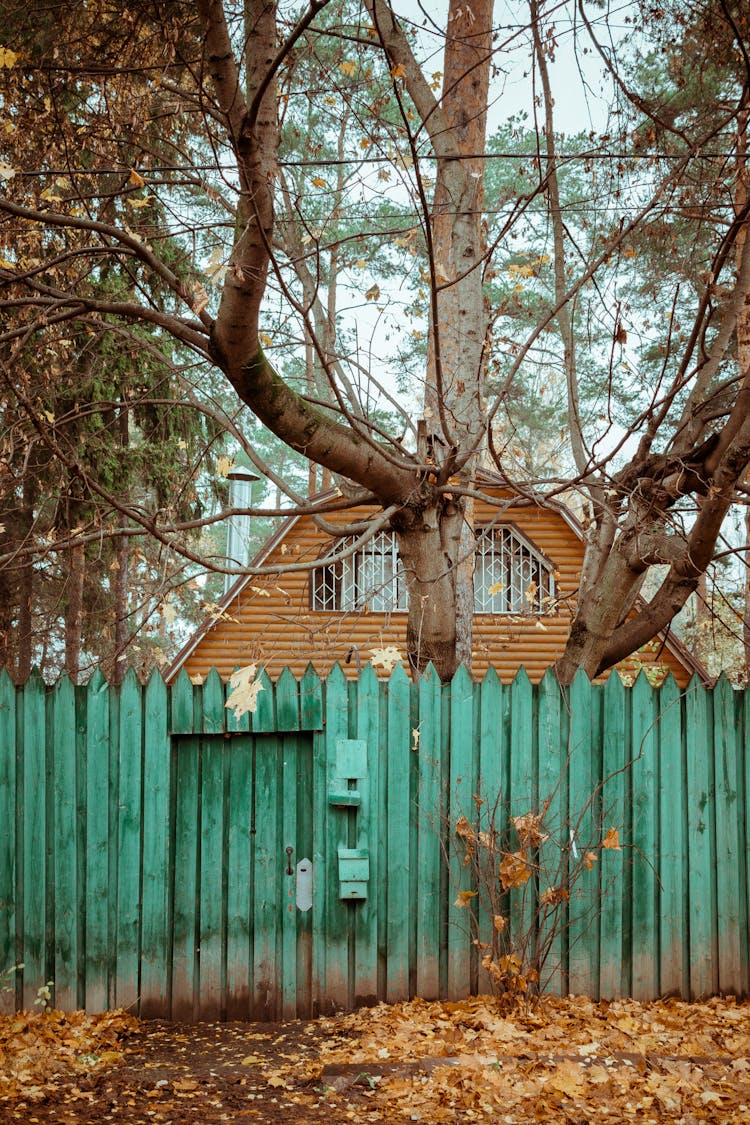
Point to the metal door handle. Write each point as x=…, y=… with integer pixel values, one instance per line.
x=289, y=854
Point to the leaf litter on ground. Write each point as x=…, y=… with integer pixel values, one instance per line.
x=555, y=1060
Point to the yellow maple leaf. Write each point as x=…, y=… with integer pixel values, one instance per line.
x=318, y=181
x=135, y=178
x=590, y=859
x=398, y=71
x=612, y=840
x=8, y=58
x=349, y=68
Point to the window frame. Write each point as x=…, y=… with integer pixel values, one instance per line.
x=335, y=585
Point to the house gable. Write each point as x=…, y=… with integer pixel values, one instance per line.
x=271, y=620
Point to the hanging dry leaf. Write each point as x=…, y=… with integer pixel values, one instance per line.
x=612, y=840
x=244, y=697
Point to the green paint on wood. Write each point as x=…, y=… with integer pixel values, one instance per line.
x=8, y=821
x=67, y=919
x=493, y=812
x=613, y=886
x=181, y=703
x=398, y=905
x=552, y=794
x=156, y=873
x=672, y=815
x=704, y=977
x=730, y=860
x=287, y=702
x=264, y=717
x=33, y=918
x=522, y=800
x=584, y=831
x=97, y=844
x=336, y=922
x=366, y=838
x=239, y=879
x=288, y=896
x=268, y=870
x=214, y=712
x=311, y=700
x=461, y=791
x=430, y=814
x=645, y=802
x=185, y=940
x=191, y=906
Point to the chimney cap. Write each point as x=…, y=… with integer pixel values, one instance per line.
x=242, y=473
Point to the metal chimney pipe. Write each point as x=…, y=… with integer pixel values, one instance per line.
x=238, y=527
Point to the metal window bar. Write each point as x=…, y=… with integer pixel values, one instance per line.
x=373, y=577
x=509, y=576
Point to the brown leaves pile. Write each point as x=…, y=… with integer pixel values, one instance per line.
x=563, y=1060
x=38, y=1049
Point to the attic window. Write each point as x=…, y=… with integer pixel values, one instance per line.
x=372, y=577
x=511, y=576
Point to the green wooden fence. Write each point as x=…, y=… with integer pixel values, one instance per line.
x=158, y=854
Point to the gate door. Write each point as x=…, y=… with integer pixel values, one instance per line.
x=242, y=887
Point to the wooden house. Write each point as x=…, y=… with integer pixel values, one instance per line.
x=528, y=562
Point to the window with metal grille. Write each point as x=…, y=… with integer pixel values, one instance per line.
x=371, y=578
x=510, y=576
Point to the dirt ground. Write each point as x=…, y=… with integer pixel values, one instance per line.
x=563, y=1062
x=176, y=1074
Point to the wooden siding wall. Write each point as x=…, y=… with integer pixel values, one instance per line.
x=144, y=862
x=271, y=622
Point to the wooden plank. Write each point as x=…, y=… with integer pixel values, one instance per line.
x=730, y=854
x=396, y=875
x=239, y=878
x=185, y=939
x=493, y=812
x=552, y=792
x=129, y=841
x=157, y=854
x=212, y=867
x=462, y=920
x=264, y=717
x=645, y=804
x=615, y=769
x=425, y=889
x=213, y=704
x=181, y=705
x=97, y=843
x=673, y=921
x=268, y=863
x=67, y=935
x=311, y=700
x=305, y=814
x=34, y=842
x=367, y=831
x=319, y=857
x=8, y=882
x=583, y=929
x=288, y=903
x=521, y=800
x=287, y=702
x=335, y=921
x=704, y=976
